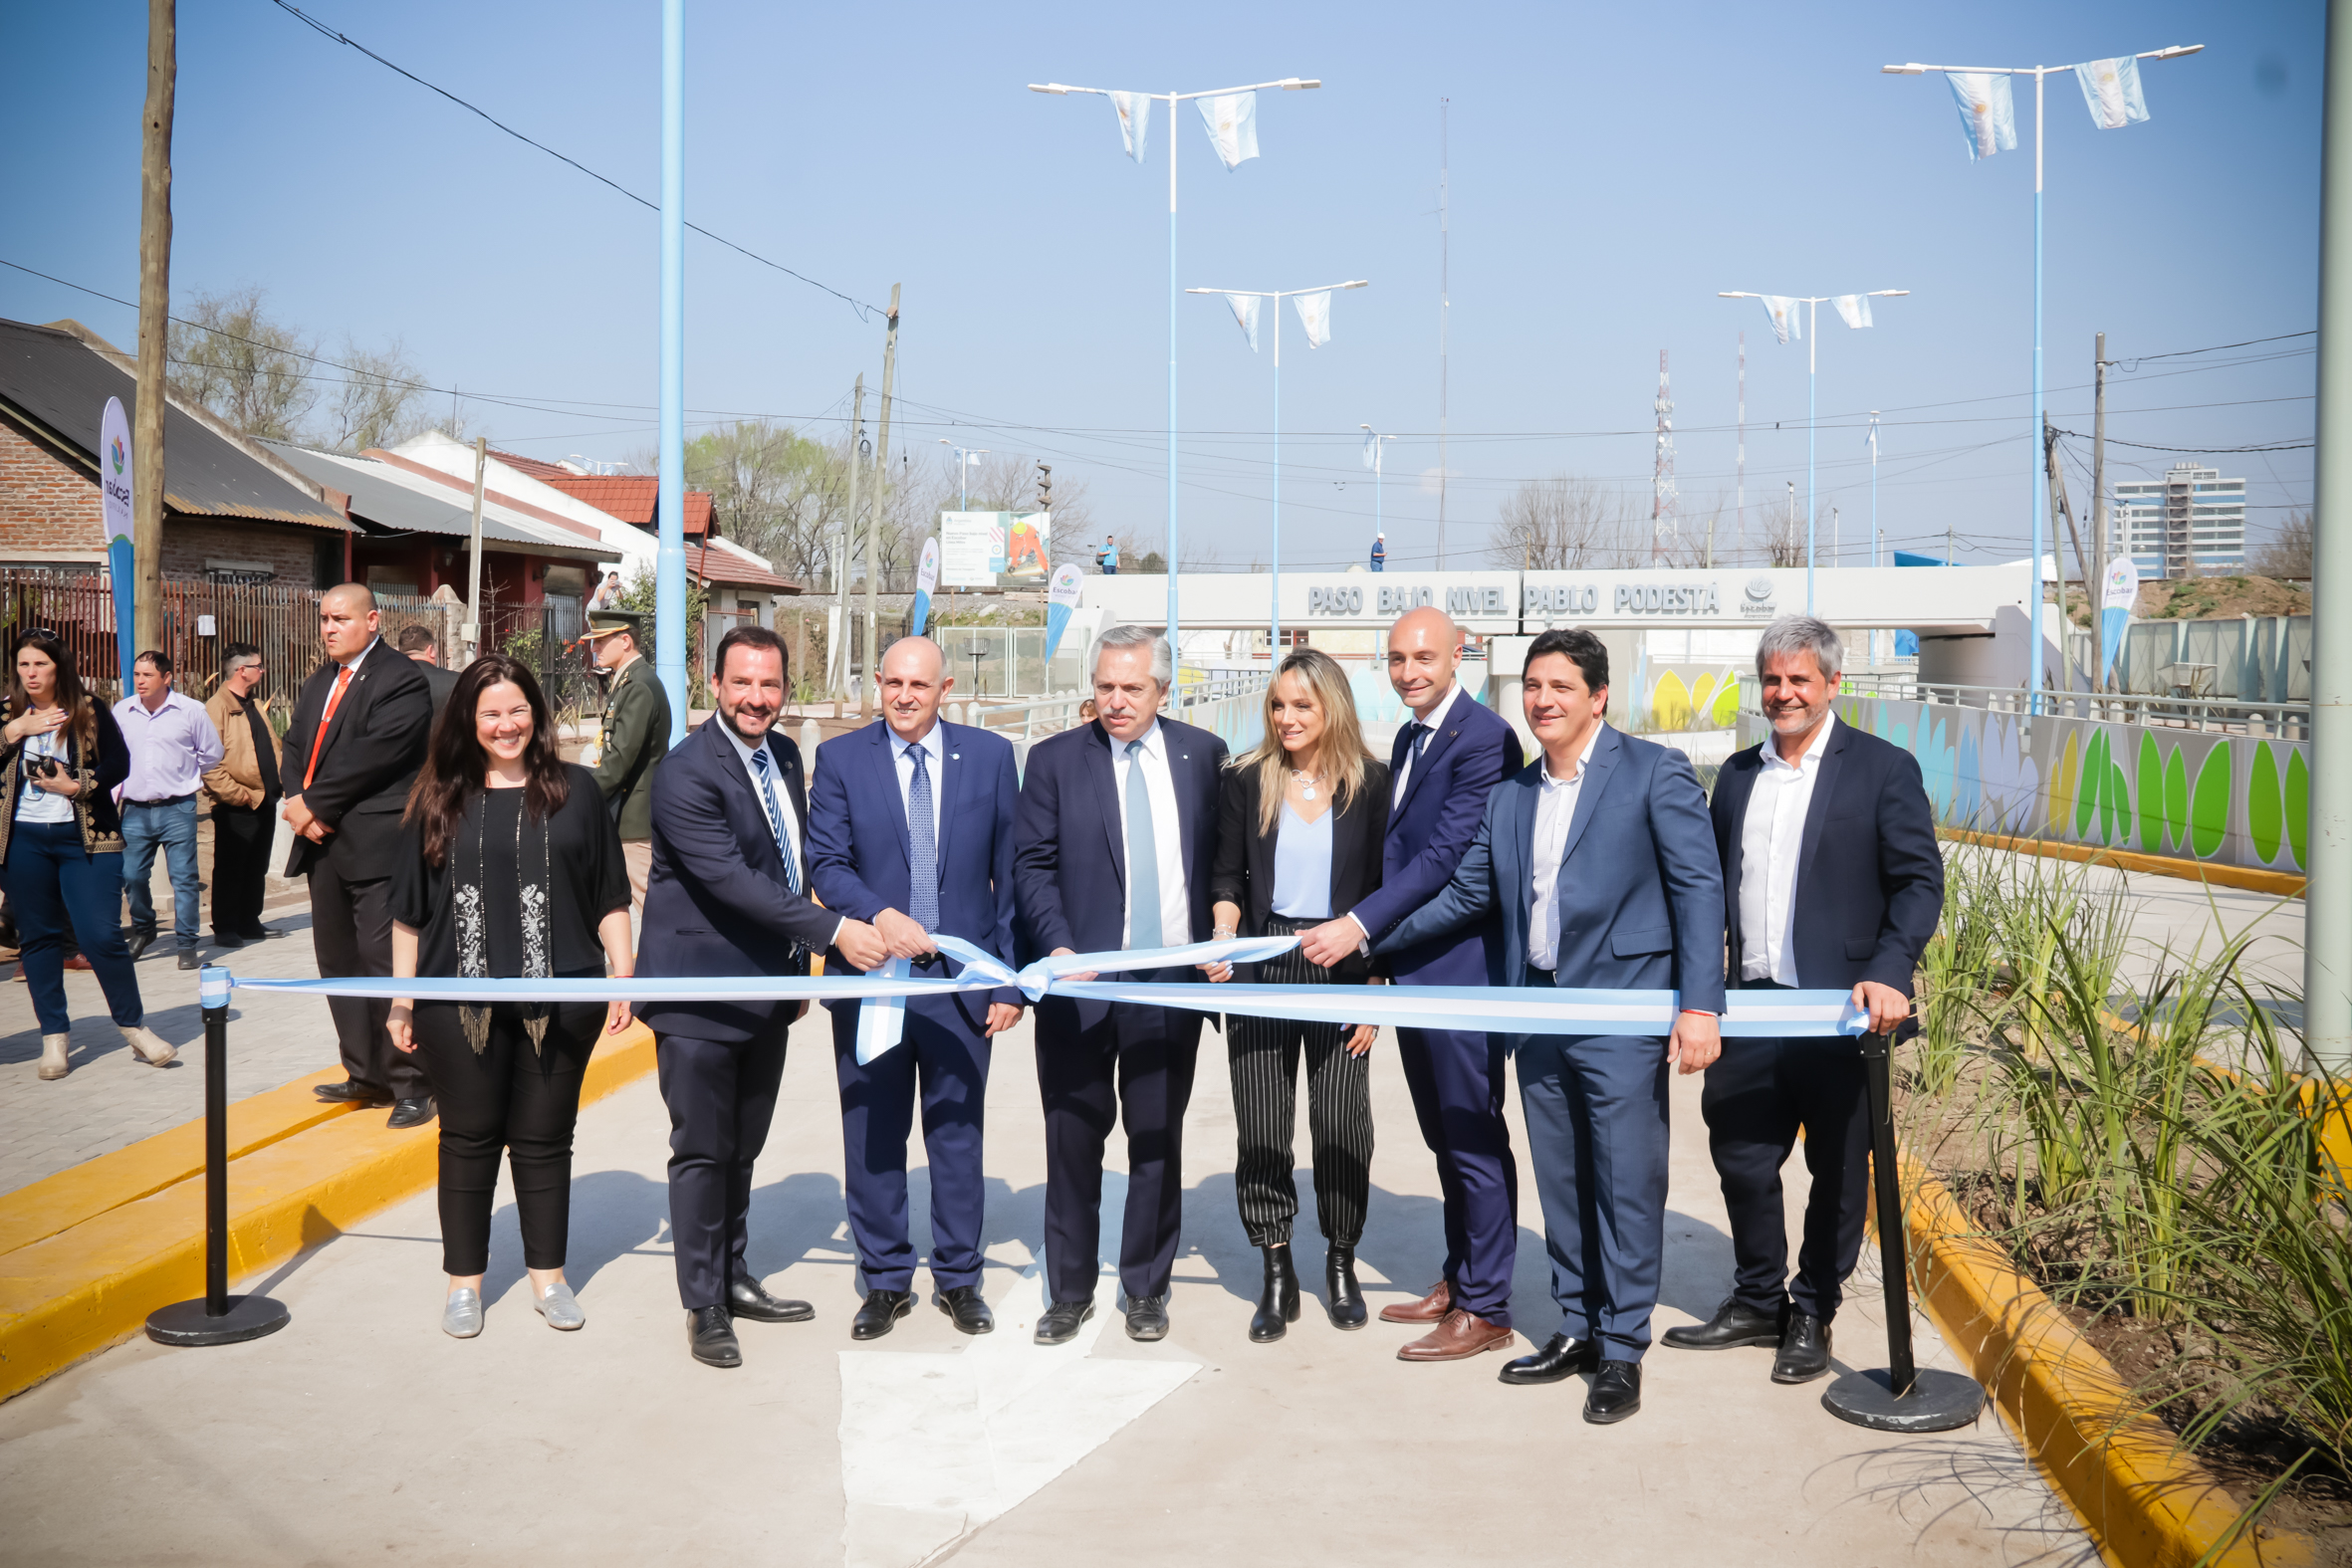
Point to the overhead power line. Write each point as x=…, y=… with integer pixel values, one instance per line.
x=2151, y=446
x=859, y=305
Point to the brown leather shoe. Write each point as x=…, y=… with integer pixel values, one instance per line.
x=1431, y=1309
x=1459, y=1337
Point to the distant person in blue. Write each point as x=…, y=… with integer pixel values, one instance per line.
x=1109, y=555
x=1380, y=552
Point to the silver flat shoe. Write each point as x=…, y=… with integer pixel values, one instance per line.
x=461, y=1314
x=561, y=1307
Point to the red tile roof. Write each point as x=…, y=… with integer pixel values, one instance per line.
x=630, y=498
x=535, y=467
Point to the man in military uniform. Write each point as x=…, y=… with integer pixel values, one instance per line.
x=636, y=733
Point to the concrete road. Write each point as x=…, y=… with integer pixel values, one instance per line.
x=361, y=1434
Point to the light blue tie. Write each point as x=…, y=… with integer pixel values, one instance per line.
x=762, y=765
x=922, y=838
x=1143, y=859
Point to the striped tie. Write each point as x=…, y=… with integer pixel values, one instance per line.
x=761, y=764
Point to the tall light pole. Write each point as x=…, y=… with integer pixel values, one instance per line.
x=966, y=456
x=2035, y=495
x=1813, y=305
x=669, y=558
x=1275, y=604
x=1374, y=444
x=2327, y=935
x=1287, y=85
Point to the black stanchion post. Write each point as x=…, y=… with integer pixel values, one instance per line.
x=219, y=1318
x=1898, y=1397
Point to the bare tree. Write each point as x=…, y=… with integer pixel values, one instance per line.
x=381, y=401
x=1566, y=523
x=2288, y=551
x=254, y=372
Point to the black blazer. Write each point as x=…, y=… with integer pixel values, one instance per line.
x=1245, y=856
x=374, y=749
x=1869, y=876
x=716, y=903
x=439, y=682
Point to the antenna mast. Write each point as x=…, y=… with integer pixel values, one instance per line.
x=1662, y=484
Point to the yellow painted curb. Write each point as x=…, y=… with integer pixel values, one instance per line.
x=2254, y=879
x=82, y=1289
x=2146, y=1503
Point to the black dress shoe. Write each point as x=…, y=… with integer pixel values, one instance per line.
x=191, y=958
x=1278, y=1299
x=1058, y=1323
x=1563, y=1356
x=262, y=934
x=138, y=942
x=410, y=1113
x=881, y=1309
x=1344, y=1298
x=710, y=1337
x=1147, y=1317
x=748, y=1298
x=1616, y=1393
x=227, y=939
x=966, y=1310
x=352, y=1093
x=1804, y=1350
x=1735, y=1323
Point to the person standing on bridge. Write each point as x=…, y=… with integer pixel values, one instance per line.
x=1380, y=552
x=1856, y=918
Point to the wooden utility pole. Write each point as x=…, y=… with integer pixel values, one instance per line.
x=873, y=523
x=2058, y=506
x=154, y=325
x=836, y=656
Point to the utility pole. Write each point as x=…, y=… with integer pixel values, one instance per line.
x=2099, y=503
x=473, y=568
x=1445, y=313
x=873, y=519
x=2327, y=905
x=2060, y=506
x=155, y=323
x=836, y=657
x=1663, y=543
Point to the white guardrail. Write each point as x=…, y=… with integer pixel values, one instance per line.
x=2226, y=714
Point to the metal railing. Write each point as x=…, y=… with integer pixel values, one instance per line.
x=2290, y=720
x=1023, y=722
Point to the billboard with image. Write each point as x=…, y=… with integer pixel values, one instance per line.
x=995, y=550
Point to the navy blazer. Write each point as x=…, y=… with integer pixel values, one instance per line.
x=1865, y=910
x=716, y=903
x=859, y=857
x=1070, y=853
x=1639, y=887
x=1429, y=831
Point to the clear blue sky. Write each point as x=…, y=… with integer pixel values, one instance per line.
x=1612, y=167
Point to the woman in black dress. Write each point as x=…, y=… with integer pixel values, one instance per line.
x=511, y=870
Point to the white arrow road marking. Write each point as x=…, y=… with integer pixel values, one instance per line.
x=935, y=1445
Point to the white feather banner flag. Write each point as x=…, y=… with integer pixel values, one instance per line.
x=1988, y=112
x=1233, y=126
x=1856, y=308
x=1787, y=322
x=1134, y=112
x=2112, y=88
x=1315, y=314
x=1245, y=310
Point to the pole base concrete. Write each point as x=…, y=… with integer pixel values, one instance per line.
x=190, y=1323
x=1938, y=1401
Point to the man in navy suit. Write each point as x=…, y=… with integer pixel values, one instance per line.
x=1598, y=865
x=1856, y=919
x=728, y=895
x=1116, y=839
x=910, y=828
x=1444, y=764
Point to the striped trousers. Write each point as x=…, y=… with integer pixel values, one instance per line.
x=1264, y=1054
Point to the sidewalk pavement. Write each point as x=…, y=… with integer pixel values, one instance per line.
x=361, y=1430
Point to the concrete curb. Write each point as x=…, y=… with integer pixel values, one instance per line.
x=2254, y=879
x=2146, y=1503
x=90, y=1284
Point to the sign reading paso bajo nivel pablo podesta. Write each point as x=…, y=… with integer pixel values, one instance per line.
x=1612, y=596
x=1354, y=598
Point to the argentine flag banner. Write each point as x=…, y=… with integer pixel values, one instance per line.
x=1245, y=310
x=2112, y=90
x=1856, y=308
x=1233, y=127
x=1134, y=112
x=1786, y=319
x=1988, y=112
x=1315, y=314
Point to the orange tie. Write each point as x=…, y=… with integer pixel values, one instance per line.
x=319, y=742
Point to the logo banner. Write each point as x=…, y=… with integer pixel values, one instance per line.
x=1134, y=112
x=1233, y=127
x=1061, y=603
x=115, y=475
x=2112, y=90
x=926, y=578
x=1988, y=112
x=2119, y=597
x=1315, y=314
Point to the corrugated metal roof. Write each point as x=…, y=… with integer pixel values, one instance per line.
x=61, y=383
x=389, y=505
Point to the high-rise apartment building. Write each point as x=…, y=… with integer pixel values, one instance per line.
x=2192, y=521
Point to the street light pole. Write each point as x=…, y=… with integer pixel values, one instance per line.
x=964, y=457
x=2327, y=944
x=1379, y=444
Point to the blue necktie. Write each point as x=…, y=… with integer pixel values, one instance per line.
x=1143, y=859
x=1421, y=734
x=760, y=766
x=922, y=838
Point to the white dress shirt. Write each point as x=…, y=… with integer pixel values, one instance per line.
x=353, y=663
x=934, y=747
x=1167, y=834
x=1555, y=812
x=783, y=800
x=1771, y=837
x=1436, y=720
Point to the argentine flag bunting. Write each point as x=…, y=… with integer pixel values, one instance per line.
x=1786, y=319
x=1988, y=113
x=1245, y=310
x=2112, y=88
x=1134, y=112
x=1315, y=314
x=1233, y=127
x=1856, y=308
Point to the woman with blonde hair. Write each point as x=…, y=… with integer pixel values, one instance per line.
x=1298, y=843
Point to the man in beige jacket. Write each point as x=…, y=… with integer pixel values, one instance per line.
x=244, y=789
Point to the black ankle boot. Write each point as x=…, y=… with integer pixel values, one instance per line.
x=1347, y=1298
x=1278, y=1302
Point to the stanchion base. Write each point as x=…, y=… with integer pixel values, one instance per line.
x=1938, y=1401
x=186, y=1323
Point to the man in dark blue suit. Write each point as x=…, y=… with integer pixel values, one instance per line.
x=1855, y=919
x=1444, y=764
x=910, y=829
x=1598, y=865
x=1115, y=844
x=728, y=895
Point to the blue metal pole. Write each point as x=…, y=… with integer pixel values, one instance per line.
x=669, y=563
x=1276, y=646
x=2033, y=474
x=1813, y=364
x=1175, y=642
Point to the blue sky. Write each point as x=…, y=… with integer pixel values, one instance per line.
x=1612, y=167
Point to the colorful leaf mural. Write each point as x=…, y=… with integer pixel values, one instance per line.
x=2208, y=822
x=2298, y=805
x=2264, y=824
x=2151, y=787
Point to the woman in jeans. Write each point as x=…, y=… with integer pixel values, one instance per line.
x=61, y=844
x=1298, y=843
x=510, y=869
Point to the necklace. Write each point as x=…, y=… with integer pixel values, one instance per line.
x=1306, y=783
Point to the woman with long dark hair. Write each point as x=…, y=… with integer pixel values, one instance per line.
x=510, y=869
x=61, y=844
x=1298, y=843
